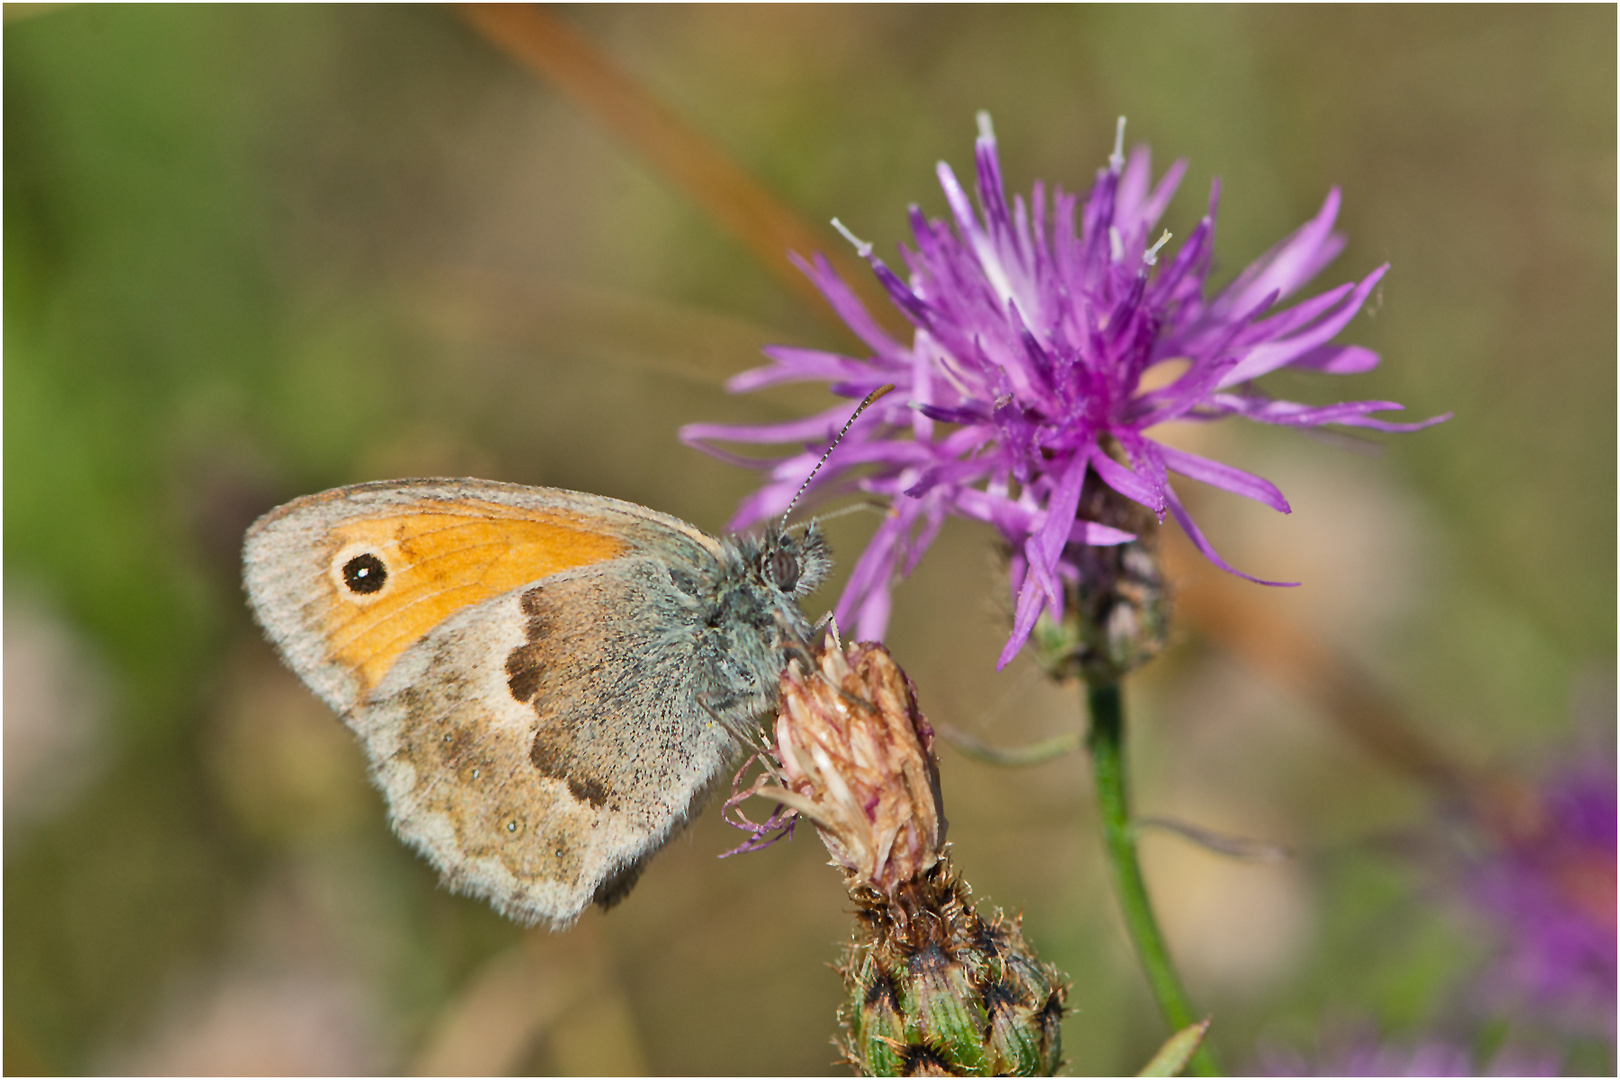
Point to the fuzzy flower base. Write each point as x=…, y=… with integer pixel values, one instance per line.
x=936, y=989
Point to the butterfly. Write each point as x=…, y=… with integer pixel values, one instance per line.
x=547, y=684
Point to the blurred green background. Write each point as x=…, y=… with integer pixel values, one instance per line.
x=251, y=253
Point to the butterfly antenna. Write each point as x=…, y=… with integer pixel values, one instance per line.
x=856, y=415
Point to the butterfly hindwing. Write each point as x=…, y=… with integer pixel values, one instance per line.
x=537, y=753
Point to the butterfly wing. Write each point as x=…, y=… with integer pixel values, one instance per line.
x=537, y=747
x=345, y=581
x=518, y=663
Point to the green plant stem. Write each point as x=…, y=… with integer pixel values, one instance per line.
x=1107, y=743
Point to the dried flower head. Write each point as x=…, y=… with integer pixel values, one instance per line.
x=934, y=987
x=1050, y=338
x=855, y=756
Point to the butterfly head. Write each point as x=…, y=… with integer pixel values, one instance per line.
x=794, y=562
x=770, y=573
x=754, y=617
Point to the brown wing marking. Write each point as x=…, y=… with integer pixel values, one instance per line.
x=453, y=753
x=498, y=808
x=442, y=561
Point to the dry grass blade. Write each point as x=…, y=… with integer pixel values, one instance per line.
x=1016, y=757
x=1233, y=847
x=551, y=990
x=476, y=306
x=1292, y=655
x=1298, y=659
x=552, y=49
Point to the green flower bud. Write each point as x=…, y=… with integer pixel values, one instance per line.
x=936, y=989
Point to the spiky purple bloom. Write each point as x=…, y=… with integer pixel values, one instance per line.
x=1047, y=345
x=1551, y=895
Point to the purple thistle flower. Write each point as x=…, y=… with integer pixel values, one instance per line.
x=1551, y=894
x=1037, y=326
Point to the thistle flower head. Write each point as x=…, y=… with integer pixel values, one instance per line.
x=1050, y=337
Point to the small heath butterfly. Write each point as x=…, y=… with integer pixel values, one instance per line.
x=548, y=684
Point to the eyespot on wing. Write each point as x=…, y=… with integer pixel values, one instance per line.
x=345, y=581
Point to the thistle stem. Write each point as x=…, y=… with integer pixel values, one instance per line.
x=1107, y=744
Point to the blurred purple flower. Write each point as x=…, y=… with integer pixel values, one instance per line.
x=1360, y=1052
x=1047, y=344
x=1551, y=893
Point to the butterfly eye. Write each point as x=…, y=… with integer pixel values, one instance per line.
x=365, y=573
x=782, y=568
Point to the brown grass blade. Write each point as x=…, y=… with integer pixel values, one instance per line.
x=552, y=49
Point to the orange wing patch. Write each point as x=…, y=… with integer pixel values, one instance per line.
x=437, y=563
